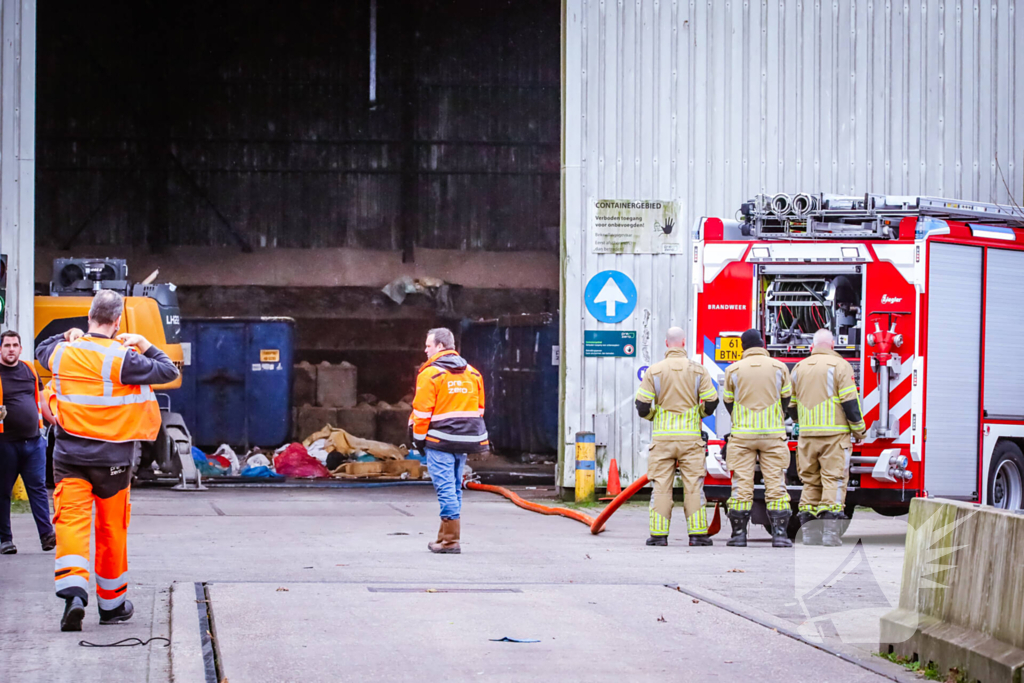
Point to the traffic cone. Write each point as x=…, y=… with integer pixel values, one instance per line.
x=19, y=492
x=716, y=522
x=614, y=486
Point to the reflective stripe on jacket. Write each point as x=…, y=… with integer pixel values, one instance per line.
x=822, y=382
x=448, y=411
x=35, y=386
x=88, y=399
x=756, y=385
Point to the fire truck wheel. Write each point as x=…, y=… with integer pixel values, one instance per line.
x=1006, y=477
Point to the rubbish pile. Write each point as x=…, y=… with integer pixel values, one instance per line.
x=329, y=452
x=224, y=462
x=326, y=395
x=347, y=456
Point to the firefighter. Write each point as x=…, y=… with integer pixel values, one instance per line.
x=447, y=424
x=676, y=394
x=756, y=393
x=103, y=404
x=827, y=408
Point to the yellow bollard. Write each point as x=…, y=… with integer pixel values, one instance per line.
x=586, y=464
x=19, y=492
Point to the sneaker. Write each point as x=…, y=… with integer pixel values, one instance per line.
x=658, y=540
x=74, y=613
x=48, y=541
x=117, y=615
x=8, y=548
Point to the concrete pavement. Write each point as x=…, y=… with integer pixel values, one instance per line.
x=354, y=575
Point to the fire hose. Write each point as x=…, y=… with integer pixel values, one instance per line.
x=596, y=525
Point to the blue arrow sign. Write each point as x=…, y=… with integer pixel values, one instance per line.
x=610, y=296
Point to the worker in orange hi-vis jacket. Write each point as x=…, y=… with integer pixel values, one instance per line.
x=447, y=424
x=102, y=403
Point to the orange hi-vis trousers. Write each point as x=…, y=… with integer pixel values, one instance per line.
x=78, y=489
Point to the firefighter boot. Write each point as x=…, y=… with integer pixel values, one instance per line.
x=739, y=520
x=74, y=612
x=449, y=543
x=832, y=531
x=701, y=539
x=780, y=526
x=810, y=528
x=658, y=540
x=122, y=612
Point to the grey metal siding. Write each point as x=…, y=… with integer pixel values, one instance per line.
x=709, y=103
x=1004, y=328
x=953, y=368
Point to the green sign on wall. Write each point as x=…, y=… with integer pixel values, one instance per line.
x=609, y=344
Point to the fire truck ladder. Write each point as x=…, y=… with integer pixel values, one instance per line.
x=871, y=216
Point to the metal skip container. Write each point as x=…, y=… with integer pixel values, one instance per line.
x=518, y=358
x=236, y=385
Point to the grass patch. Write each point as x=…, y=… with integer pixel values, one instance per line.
x=20, y=507
x=926, y=671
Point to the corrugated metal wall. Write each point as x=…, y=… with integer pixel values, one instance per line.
x=265, y=108
x=18, y=163
x=709, y=103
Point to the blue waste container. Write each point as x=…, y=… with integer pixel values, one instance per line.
x=236, y=386
x=517, y=356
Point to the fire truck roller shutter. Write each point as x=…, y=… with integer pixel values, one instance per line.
x=1004, y=330
x=953, y=364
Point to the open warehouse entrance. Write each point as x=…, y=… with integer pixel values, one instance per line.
x=292, y=160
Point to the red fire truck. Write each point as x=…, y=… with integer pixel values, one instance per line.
x=923, y=298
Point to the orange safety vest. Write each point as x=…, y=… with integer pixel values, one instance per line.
x=35, y=386
x=88, y=399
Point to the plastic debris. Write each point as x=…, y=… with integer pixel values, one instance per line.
x=225, y=451
x=295, y=461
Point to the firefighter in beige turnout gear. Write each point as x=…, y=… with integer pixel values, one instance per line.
x=676, y=394
x=827, y=407
x=756, y=393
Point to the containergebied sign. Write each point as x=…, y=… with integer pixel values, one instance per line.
x=634, y=226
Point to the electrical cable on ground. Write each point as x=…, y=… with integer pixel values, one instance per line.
x=126, y=642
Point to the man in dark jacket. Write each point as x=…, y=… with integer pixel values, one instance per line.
x=22, y=447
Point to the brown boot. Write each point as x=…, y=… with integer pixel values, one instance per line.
x=449, y=543
x=440, y=529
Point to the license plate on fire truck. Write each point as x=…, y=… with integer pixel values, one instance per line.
x=728, y=349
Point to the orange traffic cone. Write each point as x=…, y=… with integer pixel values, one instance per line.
x=716, y=522
x=614, y=486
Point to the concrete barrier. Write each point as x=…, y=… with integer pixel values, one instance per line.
x=962, y=596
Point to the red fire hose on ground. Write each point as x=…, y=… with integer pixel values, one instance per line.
x=596, y=525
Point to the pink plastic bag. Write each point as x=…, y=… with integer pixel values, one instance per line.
x=295, y=461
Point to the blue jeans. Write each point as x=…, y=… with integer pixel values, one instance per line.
x=27, y=458
x=446, y=474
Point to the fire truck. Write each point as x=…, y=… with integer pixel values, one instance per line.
x=923, y=298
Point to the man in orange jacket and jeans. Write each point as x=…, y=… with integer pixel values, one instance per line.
x=447, y=424
x=103, y=404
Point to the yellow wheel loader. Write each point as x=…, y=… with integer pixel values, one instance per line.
x=150, y=310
